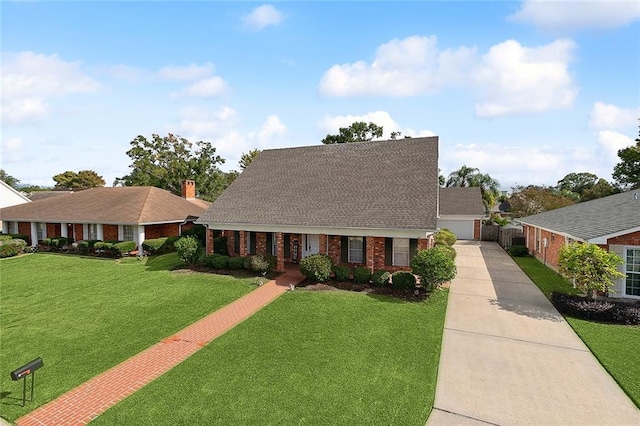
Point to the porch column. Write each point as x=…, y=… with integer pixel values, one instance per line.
x=99, y=231
x=279, y=252
x=5, y=227
x=120, y=232
x=322, y=242
x=34, y=234
x=141, y=238
x=63, y=230
x=369, y=254
x=243, y=243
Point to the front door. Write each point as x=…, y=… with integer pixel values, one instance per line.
x=310, y=244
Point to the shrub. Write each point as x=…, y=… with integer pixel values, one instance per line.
x=169, y=244
x=518, y=251
x=217, y=261
x=4, y=237
x=434, y=267
x=260, y=263
x=236, y=263
x=23, y=237
x=403, y=280
x=341, y=272
x=445, y=236
x=380, y=278
x=13, y=247
x=188, y=249
x=46, y=241
x=450, y=251
x=361, y=275
x=198, y=231
x=154, y=245
x=316, y=267
x=103, y=247
x=220, y=246
x=596, y=310
x=83, y=246
x=124, y=247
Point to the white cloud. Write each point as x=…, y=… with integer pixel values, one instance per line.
x=262, y=17
x=12, y=150
x=125, y=72
x=271, y=129
x=612, y=141
x=205, y=88
x=513, y=79
x=508, y=79
x=200, y=124
x=30, y=80
x=553, y=15
x=608, y=116
x=331, y=124
x=187, y=73
x=407, y=67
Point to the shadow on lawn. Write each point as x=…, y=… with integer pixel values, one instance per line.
x=5, y=399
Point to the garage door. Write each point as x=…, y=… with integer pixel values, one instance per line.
x=462, y=228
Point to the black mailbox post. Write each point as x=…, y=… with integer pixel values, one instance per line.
x=27, y=370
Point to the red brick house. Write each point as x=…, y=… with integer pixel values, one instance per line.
x=611, y=222
x=370, y=204
x=134, y=213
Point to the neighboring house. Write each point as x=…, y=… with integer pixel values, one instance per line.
x=462, y=211
x=41, y=195
x=611, y=222
x=134, y=213
x=370, y=204
x=10, y=197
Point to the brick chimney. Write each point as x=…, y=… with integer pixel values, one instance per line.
x=189, y=189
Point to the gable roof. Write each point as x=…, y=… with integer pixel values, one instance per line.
x=126, y=205
x=593, y=219
x=465, y=201
x=41, y=195
x=379, y=184
x=11, y=196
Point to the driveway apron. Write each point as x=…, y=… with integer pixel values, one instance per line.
x=509, y=358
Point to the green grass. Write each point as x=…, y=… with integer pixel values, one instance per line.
x=85, y=315
x=307, y=358
x=615, y=346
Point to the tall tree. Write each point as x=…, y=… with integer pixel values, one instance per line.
x=359, y=131
x=577, y=182
x=471, y=176
x=9, y=180
x=462, y=177
x=247, y=157
x=82, y=179
x=627, y=171
x=166, y=161
x=532, y=199
x=602, y=188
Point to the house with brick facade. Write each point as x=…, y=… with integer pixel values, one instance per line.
x=611, y=222
x=461, y=211
x=134, y=213
x=370, y=204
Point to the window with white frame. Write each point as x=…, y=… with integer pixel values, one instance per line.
x=128, y=233
x=12, y=227
x=41, y=230
x=356, y=254
x=401, y=252
x=92, y=231
x=632, y=268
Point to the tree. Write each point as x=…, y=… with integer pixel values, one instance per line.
x=359, y=131
x=248, y=157
x=591, y=267
x=471, y=176
x=166, y=162
x=532, y=199
x=577, y=182
x=627, y=171
x=602, y=188
x=82, y=179
x=434, y=266
x=8, y=179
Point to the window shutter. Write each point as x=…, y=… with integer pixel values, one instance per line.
x=413, y=248
x=286, y=240
x=253, y=242
x=236, y=242
x=344, y=249
x=270, y=243
x=364, y=250
x=388, y=251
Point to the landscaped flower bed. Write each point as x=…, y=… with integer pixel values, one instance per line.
x=597, y=310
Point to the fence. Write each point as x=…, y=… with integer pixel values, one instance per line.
x=506, y=237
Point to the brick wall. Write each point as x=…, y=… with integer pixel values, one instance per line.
x=632, y=239
x=77, y=231
x=109, y=232
x=164, y=230
x=476, y=229
x=24, y=228
x=261, y=243
x=53, y=230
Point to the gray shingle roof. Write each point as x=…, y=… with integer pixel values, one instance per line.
x=461, y=201
x=127, y=205
x=591, y=219
x=379, y=184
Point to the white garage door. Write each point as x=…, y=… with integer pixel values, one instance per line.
x=462, y=228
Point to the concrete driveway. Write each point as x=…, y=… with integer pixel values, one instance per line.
x=509, y=358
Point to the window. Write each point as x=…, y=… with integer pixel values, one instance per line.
x=632, y=268
x=42, y=230
x=356, y=254
x=92, y=231
x=401, y=252
x=537, y=239
x=12, y=227
x=274, y=241
x=128, y=234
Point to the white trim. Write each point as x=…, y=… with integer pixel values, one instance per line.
x=362, y=250
x=603, y=239
x=624, y=280
x=459, y=217
x=393, y=255
x=89, y=221
x=354, y=232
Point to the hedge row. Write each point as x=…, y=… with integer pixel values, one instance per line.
x=597, y=310
x=262, y=263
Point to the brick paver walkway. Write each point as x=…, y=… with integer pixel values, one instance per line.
x=87, y=401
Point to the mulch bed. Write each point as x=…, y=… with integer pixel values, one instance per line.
x=409, y=296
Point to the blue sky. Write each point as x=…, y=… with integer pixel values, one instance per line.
x=525, y=91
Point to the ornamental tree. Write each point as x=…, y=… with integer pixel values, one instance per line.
x=590, y=267
x=434, y=267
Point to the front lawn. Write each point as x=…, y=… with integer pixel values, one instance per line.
x=307, y=358
x=615, y=346
x=84, y=315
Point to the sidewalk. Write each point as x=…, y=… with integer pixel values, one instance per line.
x=508, y=357
x=89, y=400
